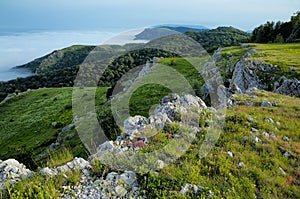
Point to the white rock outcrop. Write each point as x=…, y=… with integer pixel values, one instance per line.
x=13, y=170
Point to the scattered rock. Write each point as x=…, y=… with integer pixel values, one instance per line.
x=269, y=120
x=160, y=164
x=254, y=130
x=54, y=124
x=266, y=134
x=230, y=153
x=192, y=101
x=287, y=154
x=285, y=138
x=273, y=136
x=250, y=119
x=281, y=171
x=234, y=89
x=240, y=164
x=190, y=187
x=266, y=104
x=76, y=164
x=256, y=139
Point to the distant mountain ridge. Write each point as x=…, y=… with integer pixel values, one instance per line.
x=158, y=31
x=210, y=39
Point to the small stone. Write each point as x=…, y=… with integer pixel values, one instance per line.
x=273, y=136
x=251, y=120
x=254, y=130
x=266, y=134
x=230, y=153
x=266, y=104
x=240, y=164
x=256, y=139
x=54, y=124
x=286, y=139
x=282, y=171
x=287, y=154
x=188, y=187
x=269, y=120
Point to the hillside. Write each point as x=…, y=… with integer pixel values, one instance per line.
x=165, y=30
x=256, y=156
x=219, y=37
x=60, y=68
x=209, y=39
x=67, y=57
x=253, y=158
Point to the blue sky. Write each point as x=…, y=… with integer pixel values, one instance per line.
x=125, y=14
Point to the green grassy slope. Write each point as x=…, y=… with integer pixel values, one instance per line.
x=286, y=56
x=260, y=174
x=26, y=124
x=26, y=130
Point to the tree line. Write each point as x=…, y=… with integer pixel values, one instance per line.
x=278, y=32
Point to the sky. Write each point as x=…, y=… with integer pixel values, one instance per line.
x=31, y=15
x=33, y=28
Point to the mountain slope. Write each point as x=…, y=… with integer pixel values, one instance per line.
x=219, y=37
x=256, y=156
x=165, y=30
x=59, y=59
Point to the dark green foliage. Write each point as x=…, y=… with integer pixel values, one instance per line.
x=107, y=122
x=279, y=32
x=219, y=37
x=145, y=97
x=129, y=61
